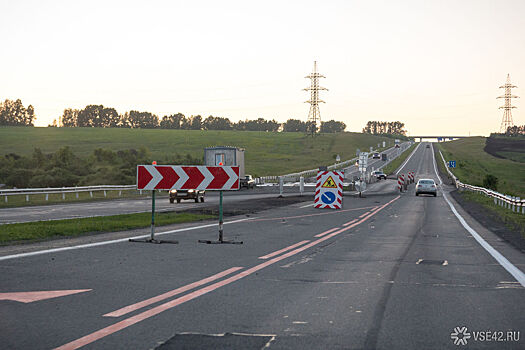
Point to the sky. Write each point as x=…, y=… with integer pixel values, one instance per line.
x=434, y=65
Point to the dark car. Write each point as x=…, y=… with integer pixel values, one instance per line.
x=428, y=146
x=186, y=194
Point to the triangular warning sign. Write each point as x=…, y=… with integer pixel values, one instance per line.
x=329, y=183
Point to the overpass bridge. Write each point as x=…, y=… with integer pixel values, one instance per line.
x=438, y=138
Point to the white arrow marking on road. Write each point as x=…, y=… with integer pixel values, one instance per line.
x=29, y=297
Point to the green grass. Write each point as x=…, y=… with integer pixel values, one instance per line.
x=56, y=198
x=473, y=163
x=394, y=164
x=512, y=220
x=266, y=153
x=41, y=230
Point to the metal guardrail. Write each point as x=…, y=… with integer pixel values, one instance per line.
x=516, y=204
x=63, y=190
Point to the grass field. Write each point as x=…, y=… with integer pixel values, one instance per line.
x=473, y=163
x=41, y=230
x=266, y=153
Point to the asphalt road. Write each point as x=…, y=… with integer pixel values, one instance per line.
x=386, y=272
x=128, y=206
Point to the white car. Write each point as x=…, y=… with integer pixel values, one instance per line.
x=426, y=186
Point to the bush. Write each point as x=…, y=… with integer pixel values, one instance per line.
x=490, y=181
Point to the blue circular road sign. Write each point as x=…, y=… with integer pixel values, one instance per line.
x=328, y=197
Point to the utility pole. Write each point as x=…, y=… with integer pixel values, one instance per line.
x=314, y=116
x=507, y=108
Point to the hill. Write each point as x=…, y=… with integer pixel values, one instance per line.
x=267, y=153
x=473, y=164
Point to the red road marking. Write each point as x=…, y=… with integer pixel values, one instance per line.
x=360, y=216
x=350, y=222
x=283, y=250
x=326, y=232
x=171, y=304
x=171, y=293
x=29, y=297
x=307, y=215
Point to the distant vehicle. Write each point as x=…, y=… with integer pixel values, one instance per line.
x=428, y=146
x=426, y=186
x=397, y=146
x=376, y=156
x=378, y=174
x=186, y=194
x=248, y=182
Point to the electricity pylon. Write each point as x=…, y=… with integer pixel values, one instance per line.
x=507, y=108
x=314, y=116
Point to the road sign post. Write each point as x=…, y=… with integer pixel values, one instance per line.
x=167, y=177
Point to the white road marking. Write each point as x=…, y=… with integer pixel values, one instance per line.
x=506, y=264
x=120, y=240
x=308, y=205
x=406, y=160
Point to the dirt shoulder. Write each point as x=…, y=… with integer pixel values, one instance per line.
x=491, y=220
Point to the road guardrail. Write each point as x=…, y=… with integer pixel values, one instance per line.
x=516, y=204
x=63, y=190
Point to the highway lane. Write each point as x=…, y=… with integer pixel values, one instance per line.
x=370, y=276
x=353, y=170
x=128, y=206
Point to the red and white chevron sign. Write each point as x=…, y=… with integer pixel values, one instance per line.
x=199, y=177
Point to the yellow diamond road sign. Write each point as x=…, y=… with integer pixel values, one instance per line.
x=329, y=183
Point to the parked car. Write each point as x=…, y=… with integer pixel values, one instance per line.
x=186, y=194
x=378, y=174
x=426, y=186
x=248, y=182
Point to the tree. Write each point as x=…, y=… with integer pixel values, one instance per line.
x=196, y=123
x=14, y=113
x=173, y=121
x=216, y=123
x=69, y=118
x=294, y=125
x=144, y=120
x=385, y=128
x=332, y=126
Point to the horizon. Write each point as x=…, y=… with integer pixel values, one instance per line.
x=435, y=66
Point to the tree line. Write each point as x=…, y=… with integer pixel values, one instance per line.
x=65, y=168
x=106, y=117
x=13, y=113
x=385, y=128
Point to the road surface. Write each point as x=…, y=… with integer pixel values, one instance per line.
x=386, y=272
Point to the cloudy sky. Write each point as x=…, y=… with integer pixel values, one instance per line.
x=435, y=65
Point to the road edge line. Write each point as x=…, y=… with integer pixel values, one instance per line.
x=120, y=240
x=406, y=160
x=504, y=262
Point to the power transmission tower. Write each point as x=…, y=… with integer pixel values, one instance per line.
x=507, y=108
x=314, y=116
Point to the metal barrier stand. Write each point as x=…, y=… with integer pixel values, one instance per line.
x=152, y=235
